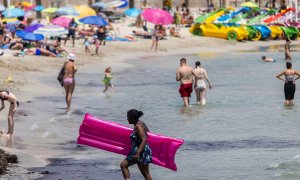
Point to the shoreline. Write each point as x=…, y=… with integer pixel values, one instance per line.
x=26, y=74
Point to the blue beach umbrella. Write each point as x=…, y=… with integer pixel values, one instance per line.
x=124, y=5
x=39, y=8
x=2, y=8
x=33, y=27
x=67, y=10
x=133, y=12
x=95, y=20
x=29, y=36
x=13, y=12
x=99, y=5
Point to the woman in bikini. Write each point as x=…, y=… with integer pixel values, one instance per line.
x=289, y=83
x=140, y=153
x=157, y=35
x=11, y=98
x=69, y=78
x=200, y=86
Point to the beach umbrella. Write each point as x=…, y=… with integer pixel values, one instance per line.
x=157, y=16
x=50, y=10
x=51, y=31
x=133, y=12
x=85, y=11
x=249, y=4
x=124, y=5
x=75, y=17
x=2, y=8
x=29, y=8
x=13, y=12
x=99, y=5
x=61, y=21
x=10, y=20
x=115, y=4
x=67, y=10
x=26, y=4
x=29, y=36
x=33, y=27
x=94, y=20
x=39, y=8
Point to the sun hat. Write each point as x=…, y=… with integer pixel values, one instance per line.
x=71, y=56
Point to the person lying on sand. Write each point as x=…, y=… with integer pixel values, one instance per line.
x=40, y=52
x=174, y=33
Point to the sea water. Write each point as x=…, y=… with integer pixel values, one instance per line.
x=243, y=132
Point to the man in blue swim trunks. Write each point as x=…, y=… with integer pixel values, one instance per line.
x=72, y=30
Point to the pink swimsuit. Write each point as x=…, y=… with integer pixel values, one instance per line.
x=68, y=81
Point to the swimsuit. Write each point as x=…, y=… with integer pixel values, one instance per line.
x=289, y=87
x=201, y=85
x=38, y=52
x=146, y=154
x=106, y=80
x=68, y=81
x=185, y=90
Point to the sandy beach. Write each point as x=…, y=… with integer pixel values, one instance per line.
x=27, y=76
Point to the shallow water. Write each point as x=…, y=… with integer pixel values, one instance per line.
x=243, y=132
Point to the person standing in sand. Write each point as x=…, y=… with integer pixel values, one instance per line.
x=69, y=78
x=11, y=98
x=289, y=83
x=184, y=74
x=72, y=31
x=287, y=49
x=200, y=76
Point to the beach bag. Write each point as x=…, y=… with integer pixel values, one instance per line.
x=61, y=74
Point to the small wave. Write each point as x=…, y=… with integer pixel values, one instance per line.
x=34, y=126
x=240, y=144
x=45, y=134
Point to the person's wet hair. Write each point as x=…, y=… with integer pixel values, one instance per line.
x=134, y=114
x=183, y=60
x=263, y=57
x=198, y=63
x=288, y=65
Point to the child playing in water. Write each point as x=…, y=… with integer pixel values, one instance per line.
x=86, y=45
x=267, y=59
x=106, y=80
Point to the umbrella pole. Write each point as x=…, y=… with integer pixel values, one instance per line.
x=8, y=9
x=296, y=4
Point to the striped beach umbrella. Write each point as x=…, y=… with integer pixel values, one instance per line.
x=115, y=4
x=51, y=31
